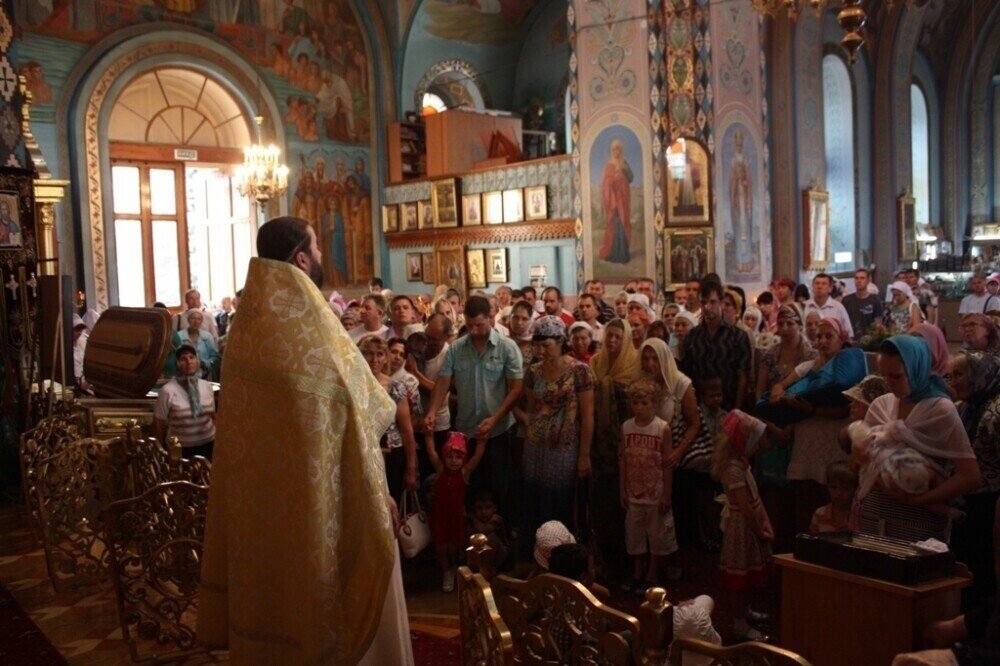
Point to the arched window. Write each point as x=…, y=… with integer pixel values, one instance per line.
x=920, y=140
x=838, y=134
x=432, y=104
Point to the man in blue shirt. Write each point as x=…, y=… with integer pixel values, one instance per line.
x=486, y=370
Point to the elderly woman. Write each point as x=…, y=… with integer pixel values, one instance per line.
x=812, y=320
x=202, y=341
x=903, y=313
x=615, y=366
x=692, y=454
x=560, y=429
x=975, y=381
x=817, y=386
x=398, y=442
x=919, y=414
x=683, y=324
x=981, y=333
x=185, y=407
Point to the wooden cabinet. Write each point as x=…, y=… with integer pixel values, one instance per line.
x=407, y=149
x=458, y=139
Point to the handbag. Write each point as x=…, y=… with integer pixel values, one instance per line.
x=414, y=532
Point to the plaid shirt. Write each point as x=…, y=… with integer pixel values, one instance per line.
x=723, y=356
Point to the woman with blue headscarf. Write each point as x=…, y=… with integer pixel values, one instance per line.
x=919, y=413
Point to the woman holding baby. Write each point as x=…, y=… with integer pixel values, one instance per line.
x=918, y=414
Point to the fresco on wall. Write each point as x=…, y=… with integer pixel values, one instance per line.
x=332, y=189
x=310, y=52
x=740, y=205
x=493, y=22
x=616, y=204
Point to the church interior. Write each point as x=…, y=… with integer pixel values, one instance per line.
x=646, y=161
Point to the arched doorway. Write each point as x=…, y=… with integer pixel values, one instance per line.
x=174, y=135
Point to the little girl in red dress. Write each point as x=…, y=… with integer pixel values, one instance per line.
x=448, y=513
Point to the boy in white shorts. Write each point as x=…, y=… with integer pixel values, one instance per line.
x=645, y=486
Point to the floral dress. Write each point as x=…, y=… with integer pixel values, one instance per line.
x=744, y=560
x=552, y=445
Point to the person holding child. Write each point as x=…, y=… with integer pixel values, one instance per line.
x=448, y=511
x=744, y=562
x=645, y=486
x=918, y=413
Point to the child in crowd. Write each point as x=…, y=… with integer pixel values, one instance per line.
x=645, y=485
x=839, y=514
x=710, y=398
x=448, y=511
x=548, y=537
x=861, y=396
x=747, y=533
x=573, y=561
x=486, y=521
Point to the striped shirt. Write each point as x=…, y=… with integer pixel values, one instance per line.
x=173, y=405
x=724, y=356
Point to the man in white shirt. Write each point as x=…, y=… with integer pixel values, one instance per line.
x=692, y=303
x=372, y=311
x=827, y=306
x=438, y=331
x=590, y=311
x=401, y=317
x=192, y=298
x=979, y=301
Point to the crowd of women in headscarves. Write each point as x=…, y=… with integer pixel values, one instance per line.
x=809, y=383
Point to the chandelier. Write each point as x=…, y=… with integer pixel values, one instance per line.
x=262, y=174
x=852, y=17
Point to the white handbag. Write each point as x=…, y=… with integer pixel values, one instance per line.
x=414, y=532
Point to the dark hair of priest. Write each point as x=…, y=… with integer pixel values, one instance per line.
x=282, y=238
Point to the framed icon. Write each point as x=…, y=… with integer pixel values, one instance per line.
x=451, y=270
x=906, y=227
x=11, y=234
x=816, y=229
x=496, y=264
x=444, y=195
x=493, y=207
x=689, y=183
x=408, y=216
x=390, y=218
x=537, y=203
x=425, y=214
x=475, y=261
x=513, y=206
x=472, y=213
x=427, y=268
x=690, y=253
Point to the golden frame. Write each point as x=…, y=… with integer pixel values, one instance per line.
x=390, y=218
x=906, y=227
x=536, y=203
x=682, y=248
x=496, y=265
x=444, y=195
x=815, y=229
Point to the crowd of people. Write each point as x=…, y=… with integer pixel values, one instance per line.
x=621, y=421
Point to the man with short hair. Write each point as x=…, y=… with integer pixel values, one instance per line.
x=693, y=302
x=596, y=289
x=590, y=313
x=372, y=311
x=827, y=306
x=192, y=298
x=297, y=461
x=647, y=286
x=528, y=294
x=552, y=303
x=979, y=301
x=863, y=307
x=402, y=317
x=223, y=316
x=437, y=332
x=486, y=370
x=716, y=349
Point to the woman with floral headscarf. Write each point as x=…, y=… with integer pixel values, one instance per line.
x=615, y=366
x=918, y=412
x=975, y=381
x=560, y=429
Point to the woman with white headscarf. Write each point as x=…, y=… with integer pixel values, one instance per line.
x=903, y=313
x=683, y=323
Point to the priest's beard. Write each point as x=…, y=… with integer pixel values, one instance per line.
x=316, y=273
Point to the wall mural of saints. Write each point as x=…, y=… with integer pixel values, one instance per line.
x=332, y=190
x=740, y=204
x=616, y=204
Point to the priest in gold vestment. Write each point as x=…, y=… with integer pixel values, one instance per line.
x=300, y=564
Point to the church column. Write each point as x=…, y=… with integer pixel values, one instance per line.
x=785, y=182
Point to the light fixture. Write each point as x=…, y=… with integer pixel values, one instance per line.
x=677, y=159
x=262, y=174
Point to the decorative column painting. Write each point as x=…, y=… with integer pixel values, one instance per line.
x=613, y=45
x=742, y=203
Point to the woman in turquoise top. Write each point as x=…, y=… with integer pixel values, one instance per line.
x=202, y=341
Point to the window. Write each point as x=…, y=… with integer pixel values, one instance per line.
x=149, y=218
x=838, y=135
x=920, y=140
x=432, y=104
